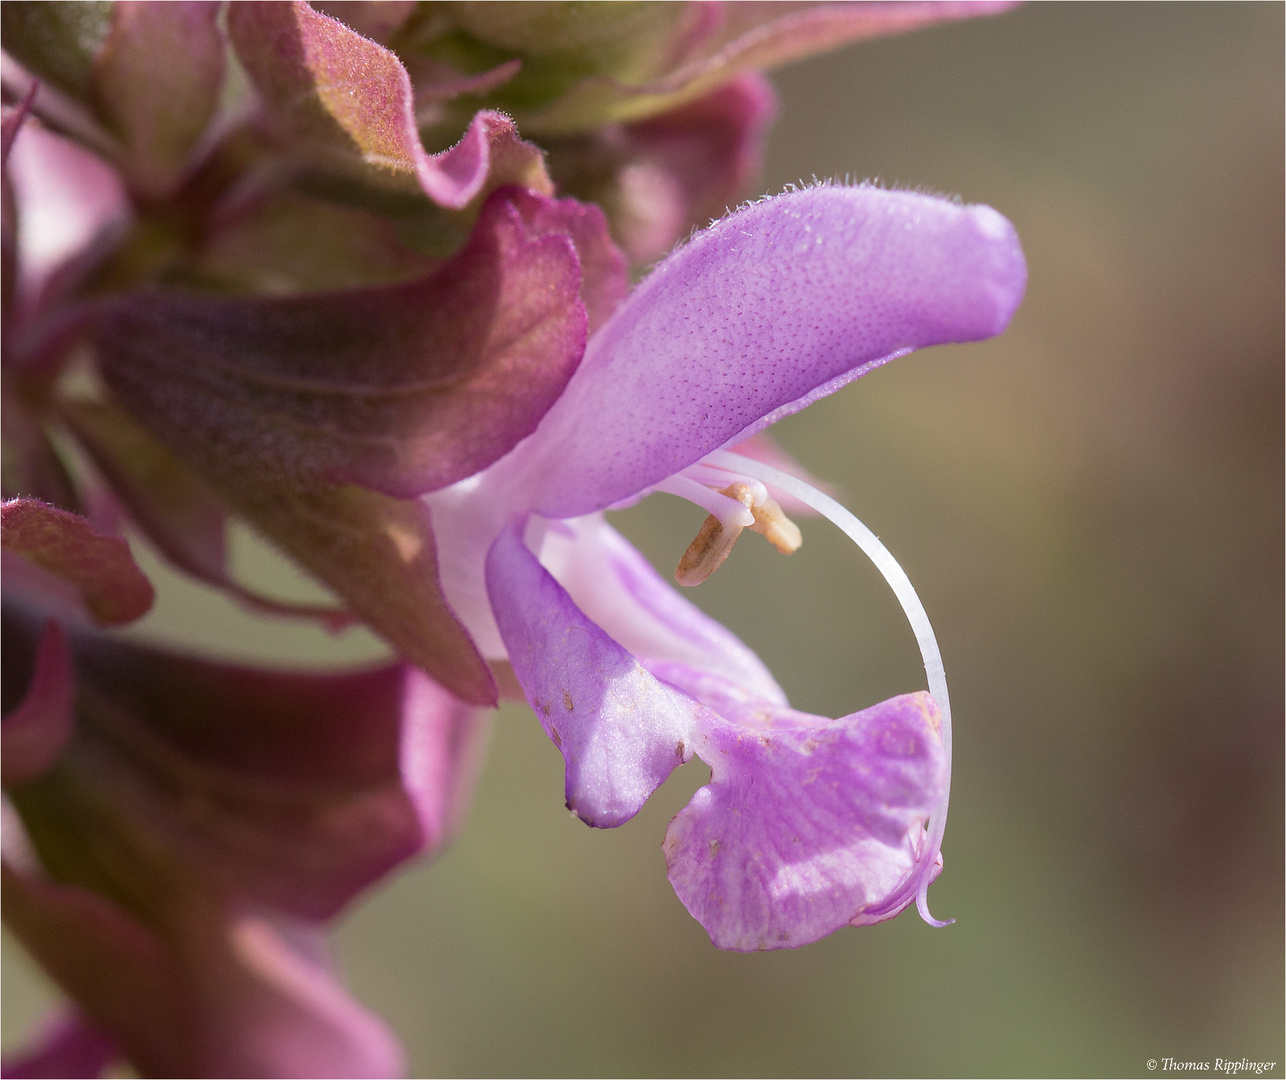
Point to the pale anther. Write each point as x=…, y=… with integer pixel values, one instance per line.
x=714, y=541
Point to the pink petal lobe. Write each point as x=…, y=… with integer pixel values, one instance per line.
x=620, y=731
x=770, y=308
x=99, y=567
x=34, y=733
x=807, y=823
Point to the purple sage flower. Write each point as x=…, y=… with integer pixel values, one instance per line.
x=808, y=823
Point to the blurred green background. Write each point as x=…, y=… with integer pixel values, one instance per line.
x=1090, y=507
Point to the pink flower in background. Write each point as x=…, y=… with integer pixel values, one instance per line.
x=188, y=828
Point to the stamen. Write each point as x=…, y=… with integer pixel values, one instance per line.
x=918, y=881
x=713, y=544
x=772, y=524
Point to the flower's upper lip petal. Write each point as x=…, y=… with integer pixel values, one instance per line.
x=755, y=317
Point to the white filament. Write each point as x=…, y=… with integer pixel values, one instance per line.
x=915, y=613
x=730, y=512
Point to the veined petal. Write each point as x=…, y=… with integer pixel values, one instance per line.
x=762, y=313
x=806, y=823
x=620, y=731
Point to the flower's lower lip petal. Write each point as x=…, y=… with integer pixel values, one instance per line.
x=802, y=829
x=618, y=589
x=751, y=318
x=620, y=731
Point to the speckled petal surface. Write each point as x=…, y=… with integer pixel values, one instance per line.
x=620, y=730
x=756, y=317
x=806, y=823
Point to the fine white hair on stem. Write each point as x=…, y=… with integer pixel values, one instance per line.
x=915, y=613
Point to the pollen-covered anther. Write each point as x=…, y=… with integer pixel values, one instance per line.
x=714, y=541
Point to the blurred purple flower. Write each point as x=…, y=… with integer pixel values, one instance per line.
x=807, y=823
x=188, y=827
